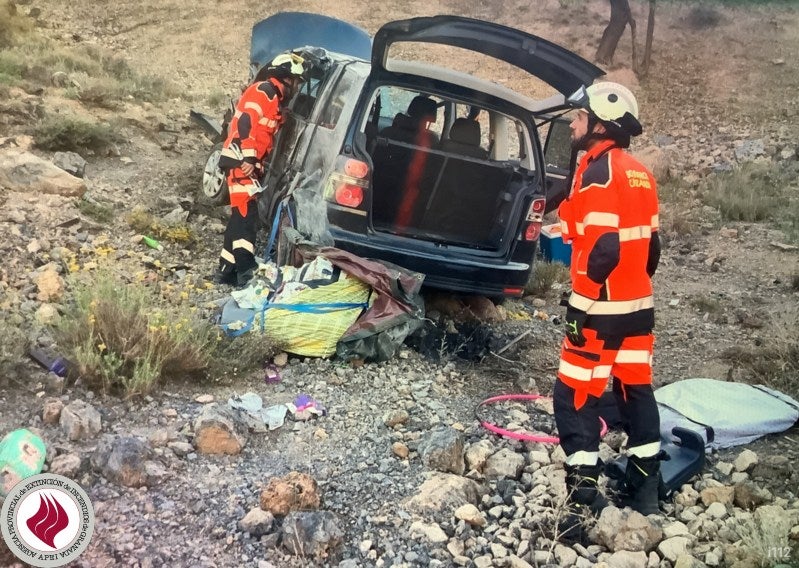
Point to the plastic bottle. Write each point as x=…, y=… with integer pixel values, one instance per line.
x=57, y=365
x=152, y=243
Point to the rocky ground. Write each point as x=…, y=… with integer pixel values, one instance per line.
x=398, y=472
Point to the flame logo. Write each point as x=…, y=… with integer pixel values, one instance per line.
x=49, y=520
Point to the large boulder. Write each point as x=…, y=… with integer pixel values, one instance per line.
x=23, y=171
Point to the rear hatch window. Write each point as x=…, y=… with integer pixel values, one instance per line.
x=446, y=171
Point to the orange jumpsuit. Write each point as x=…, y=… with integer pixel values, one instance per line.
x=250, y=138
x=611, y=219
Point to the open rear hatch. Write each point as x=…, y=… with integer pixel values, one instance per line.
x=564, y=70
x=436, y=196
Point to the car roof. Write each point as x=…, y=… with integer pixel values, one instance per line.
x=289, y=30
x=473, y=83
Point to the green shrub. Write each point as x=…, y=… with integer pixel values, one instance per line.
x=12, y=345
x=750, y=193
x=13, y=26
x=145, y=223
x=544, y=275
x=12, y=69
x=707, y=304
x=69, y=133
x=97, y=211
x=125, y=338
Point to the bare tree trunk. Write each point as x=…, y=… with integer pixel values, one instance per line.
x=636, y=67
x=620, y=15
x=650, y=34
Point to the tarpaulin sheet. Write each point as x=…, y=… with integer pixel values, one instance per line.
x=725, y=414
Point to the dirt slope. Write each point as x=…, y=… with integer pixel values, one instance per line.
x=719, y=78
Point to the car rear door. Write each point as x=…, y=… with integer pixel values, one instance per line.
x=564, y=70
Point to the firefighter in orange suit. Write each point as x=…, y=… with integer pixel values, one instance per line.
x=611, y=220
x=250, y=137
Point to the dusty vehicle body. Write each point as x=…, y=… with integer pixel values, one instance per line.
x=468, y=216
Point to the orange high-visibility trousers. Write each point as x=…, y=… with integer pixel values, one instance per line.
x=587, y=369
x=582, y=379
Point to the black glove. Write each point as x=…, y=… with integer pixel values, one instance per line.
x=575, y=320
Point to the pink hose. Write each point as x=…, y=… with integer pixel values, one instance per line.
x=517, y=435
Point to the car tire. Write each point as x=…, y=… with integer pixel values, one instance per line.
x=213, y=184
x=285, y=251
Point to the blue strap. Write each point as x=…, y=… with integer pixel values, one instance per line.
x=275, y=225
x=273, y=233
x=241, y=331
x=323, y=308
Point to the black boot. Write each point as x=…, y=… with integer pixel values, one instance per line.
x=584, y=500
x=641, y=484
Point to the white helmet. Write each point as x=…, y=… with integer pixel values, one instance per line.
x=612, y=104
x=610, y=101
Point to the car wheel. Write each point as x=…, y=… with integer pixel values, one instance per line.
x=285, y=251
x=213, y=187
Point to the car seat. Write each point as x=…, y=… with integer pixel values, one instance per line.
x=407, y=126
x=464, y=138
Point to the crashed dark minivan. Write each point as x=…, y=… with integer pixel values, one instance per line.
x=422, y=166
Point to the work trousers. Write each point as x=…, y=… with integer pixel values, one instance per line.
x=583, y=375
x=238, y=251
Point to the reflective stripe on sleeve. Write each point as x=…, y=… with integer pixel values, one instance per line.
x=268, y=122
x=254, y=106
x=655, y=222
x=599, y=219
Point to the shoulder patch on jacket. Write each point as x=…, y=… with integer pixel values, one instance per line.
x=597, y=172
x=268, y=89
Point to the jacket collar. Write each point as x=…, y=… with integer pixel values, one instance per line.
x=598, y=149
x=278, y=84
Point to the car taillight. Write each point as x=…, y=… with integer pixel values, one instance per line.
x=348, y=182
x=356, y=168
x=349, y=195
x=512, y=291
x=535, y=216
x=532, y=231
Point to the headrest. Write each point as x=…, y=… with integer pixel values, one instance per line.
x=422, y=108
x=465, y=131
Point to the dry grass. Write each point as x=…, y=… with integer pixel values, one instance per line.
x=13, y=25
x=544, y=275
x=775, y=363
x=125, y=338
x=97, y=76
x=12, y=346
x=707, y=304
x=69, y=133
x=145, y=223
x=97, y=211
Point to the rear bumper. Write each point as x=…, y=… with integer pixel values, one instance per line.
x=453, y=272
